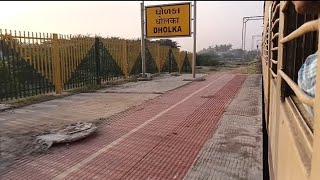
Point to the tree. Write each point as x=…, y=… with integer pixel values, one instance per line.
x=234, y=53
x=167, y=42
x=250, y=55
x=223, y=47
x=206, y=60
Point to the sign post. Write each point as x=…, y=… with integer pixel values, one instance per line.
x=143, y=54
x=194, y=39
x=170, y=20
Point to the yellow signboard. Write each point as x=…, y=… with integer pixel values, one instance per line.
x=170, y=20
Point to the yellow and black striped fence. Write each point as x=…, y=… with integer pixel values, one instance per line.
x=37, y=63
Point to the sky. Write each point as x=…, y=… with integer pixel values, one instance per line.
x=218, y=22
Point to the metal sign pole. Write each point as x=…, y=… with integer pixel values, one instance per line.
x=242, y=33
x=143, y=58
x=244, y=28
x=179, y=25
x=194, y=38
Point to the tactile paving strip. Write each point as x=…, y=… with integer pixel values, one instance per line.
x=164, y=148
x=235, y=150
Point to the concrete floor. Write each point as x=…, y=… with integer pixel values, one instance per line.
x=234, y=150
x=203, y=130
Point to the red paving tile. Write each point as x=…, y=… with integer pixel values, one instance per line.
x=162, y=148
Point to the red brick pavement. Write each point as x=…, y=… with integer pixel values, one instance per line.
x=158, y=139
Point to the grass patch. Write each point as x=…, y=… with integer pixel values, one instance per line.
x=252, y=68
x=86, y=89
x=133, y=78
x=175, y=74
x=213, y=69
x=33, y=100
x=156, y=75
x=122, y=81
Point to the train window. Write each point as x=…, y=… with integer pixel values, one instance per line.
x=274, y=37
x=295, y=53
x=266, y=44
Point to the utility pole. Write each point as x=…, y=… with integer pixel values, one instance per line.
x=143, y=57
x=244, y=27
x=194, y=38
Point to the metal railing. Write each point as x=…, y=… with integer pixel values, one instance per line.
x=274, y=35
x=37, y=63
x=305, y=28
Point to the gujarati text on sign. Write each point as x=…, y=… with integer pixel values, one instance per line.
x=168, y=20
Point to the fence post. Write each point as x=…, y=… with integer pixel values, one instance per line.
x=97, y=58
x=158, y=58
x=56, y=64
x=125, y=58
x=179, y=66
x=170, y=61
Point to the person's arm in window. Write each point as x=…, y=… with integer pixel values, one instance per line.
x=307, y=7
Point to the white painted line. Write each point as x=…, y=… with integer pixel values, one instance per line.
x=105, y=148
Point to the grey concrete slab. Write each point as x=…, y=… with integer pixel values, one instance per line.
x=4, y=107
x=157, y=85
x=235, y=149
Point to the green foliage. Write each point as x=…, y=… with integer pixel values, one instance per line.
x=251, y=55
x=206, y=60
x=166, y=42
x=86, y=89
x=216, y=49
x=223, y=47
x=33, y=100
x=234, y=53
x=211, y=55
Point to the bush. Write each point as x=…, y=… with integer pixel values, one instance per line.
x=251, y=55
x=206, y=60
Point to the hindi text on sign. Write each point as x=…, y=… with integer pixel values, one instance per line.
x=167, y=20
